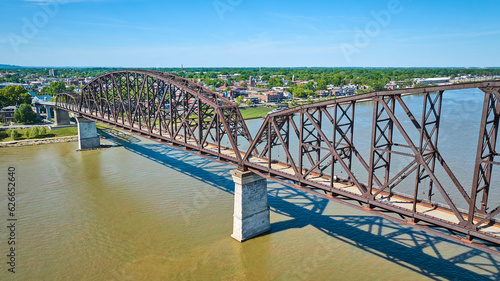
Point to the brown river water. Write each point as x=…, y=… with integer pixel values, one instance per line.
x=141, y=210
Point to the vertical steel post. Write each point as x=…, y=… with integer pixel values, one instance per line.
x=486, y=152
x=373, y=145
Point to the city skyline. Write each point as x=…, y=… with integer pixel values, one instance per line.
x=237, y=33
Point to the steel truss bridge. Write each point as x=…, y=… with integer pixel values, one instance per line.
x=312, y=147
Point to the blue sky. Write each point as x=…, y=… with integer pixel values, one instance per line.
x=244, y=33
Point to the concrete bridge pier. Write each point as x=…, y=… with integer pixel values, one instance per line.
x=61, y=117
x=87, y=134
x=49, y=113
x=251, y=212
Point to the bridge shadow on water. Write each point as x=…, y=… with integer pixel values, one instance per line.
x=434, y=257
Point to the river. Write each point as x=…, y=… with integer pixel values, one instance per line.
x=140, y=210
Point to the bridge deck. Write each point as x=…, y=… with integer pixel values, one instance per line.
x=397, y=201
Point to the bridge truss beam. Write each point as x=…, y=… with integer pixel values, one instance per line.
x=312, y=147
x=163, y=106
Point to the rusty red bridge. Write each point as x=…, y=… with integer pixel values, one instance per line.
x=316, y=144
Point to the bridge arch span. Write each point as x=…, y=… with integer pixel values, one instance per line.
x=165, y=106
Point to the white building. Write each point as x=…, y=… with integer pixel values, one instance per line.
x=439, y=80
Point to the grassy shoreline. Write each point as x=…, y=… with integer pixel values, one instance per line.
x=254, y=112
x=55, y=133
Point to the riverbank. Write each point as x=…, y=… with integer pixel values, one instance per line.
x=5, y=135
x=254, y=112
x=30, y=142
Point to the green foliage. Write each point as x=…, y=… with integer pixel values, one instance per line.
x=34, y=132
x=55, y=88
x=10, y=78
x=13, y=95
x=301, y=91
x=3, y=101
x=322, y=84
x=214, y=82
x=275, y=82
x=310, y=85
x=25, y=114
x=254, y=112
x=248, y=102
x=14, y=135
x=238, y=100
x=6, y=135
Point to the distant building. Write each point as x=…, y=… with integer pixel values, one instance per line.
x=268, y=96
x=439, y=80
x=76, y=82
x=42, y=98
x=254, y=100
x=322, y=93
x=234, y=92
x=337, y=91
x=280, y=89
x=391, y=86
x=52, y=72
x=226, y=77
x=25, y=86
x=8, y=113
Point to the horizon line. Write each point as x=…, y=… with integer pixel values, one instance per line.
x=229, y=67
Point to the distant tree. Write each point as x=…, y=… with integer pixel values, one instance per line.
x=14, y=134
x=248, y=102
x=299, y=92
x=310, y=85
x=322, y=84
x=244, y=84
x=378, y=85
x=43, y=131
x=24, y=114
x=3, y=101
x=238, y=100
x=34, y=132
x=55, y=88
x=13, y=95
